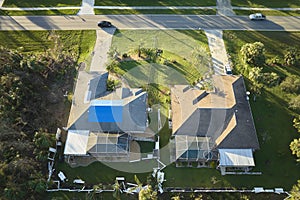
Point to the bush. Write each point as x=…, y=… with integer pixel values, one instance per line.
x=273, y=61
x=112, y=84
x=124, y=55
x=270, y=79
x=113, y=66
x=291, y=84
x=295, y=103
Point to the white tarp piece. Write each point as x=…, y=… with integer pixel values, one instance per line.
x=76, y=143
x=236, y=157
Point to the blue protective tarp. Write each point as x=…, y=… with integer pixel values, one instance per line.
x=105, y=113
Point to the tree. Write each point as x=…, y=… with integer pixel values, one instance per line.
x=146, y=192
x=295, y=148
x=295, y=192
x=296, y=123
x=42, y=142
x=295, y=103
x=291, y=84
x=253, y=53
x=116, y=193
x=255, y=77
x=290, y=57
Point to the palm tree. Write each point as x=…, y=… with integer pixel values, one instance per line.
x=295, y=148
x=116, y=193
x=295, y=192
x=146, y=192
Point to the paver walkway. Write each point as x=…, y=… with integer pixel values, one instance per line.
x=87, y=7
x=102, y=45
x=224, y=8
x=217, y=50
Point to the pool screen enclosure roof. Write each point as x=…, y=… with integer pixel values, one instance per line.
x=191, y=147
x=108, y=143
x=236, y=157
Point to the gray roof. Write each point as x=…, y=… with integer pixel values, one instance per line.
x=229, y=127
x=97, y=86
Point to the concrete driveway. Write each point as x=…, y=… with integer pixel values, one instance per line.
x=102, y=45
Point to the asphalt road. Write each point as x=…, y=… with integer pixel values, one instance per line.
x=274, y=23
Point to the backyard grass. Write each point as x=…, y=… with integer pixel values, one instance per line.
x=268, y=12
x=40, y=3
x=39, y=12
x=156, y=11
x=155, y=3
x=269, y=3
x=79, y=42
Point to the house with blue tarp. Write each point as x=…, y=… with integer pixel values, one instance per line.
x=103, y=123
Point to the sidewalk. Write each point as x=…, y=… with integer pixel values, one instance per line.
x=140, y=8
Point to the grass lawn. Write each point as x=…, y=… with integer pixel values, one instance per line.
x=40, y=3
x=79, y=42
x=155, y=3
x=38, y=12
x=269, y=3
x=169, y=11
x=268, y=13
x=272, y=117
x=186, y=42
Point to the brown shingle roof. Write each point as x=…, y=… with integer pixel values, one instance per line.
x=223, y=115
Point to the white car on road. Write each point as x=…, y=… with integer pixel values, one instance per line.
x=257, y=16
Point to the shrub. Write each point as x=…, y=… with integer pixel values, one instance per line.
x=295, y=103
x=124, y=55
x=291, y=84
x=290, y=57
x=270, y=79
x=273, y=61
x=112, y=84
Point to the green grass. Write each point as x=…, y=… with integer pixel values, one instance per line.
x=186, y=41
x=173, y=66
x=268, y=13
x=98, y=172
x=79, y=42
x=146, y=147
x=39, y=12
x=155, y=3
x=269, y=3
x=272, y=117
x=40, y=3
x=156, y=11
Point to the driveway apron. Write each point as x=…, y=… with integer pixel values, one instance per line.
x=224, y=8
x=87, y=7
